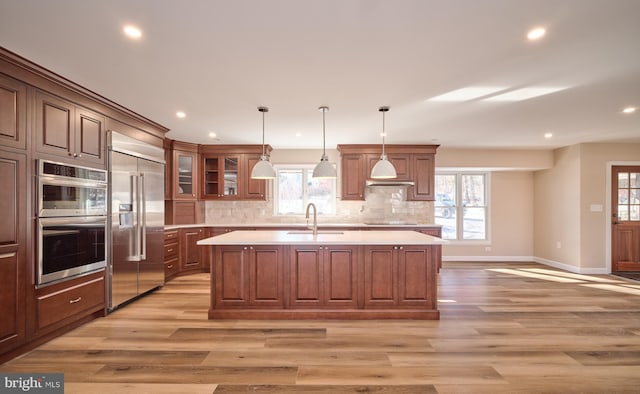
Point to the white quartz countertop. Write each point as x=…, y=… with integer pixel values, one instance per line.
x=303, y=225
x=369, y=237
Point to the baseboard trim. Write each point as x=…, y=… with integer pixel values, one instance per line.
x=550, y=263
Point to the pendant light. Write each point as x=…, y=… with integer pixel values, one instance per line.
x=324, y=169
x=383, y=168
x=263, y=168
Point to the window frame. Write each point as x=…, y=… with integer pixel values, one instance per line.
x=305, y=198
x=459, y=240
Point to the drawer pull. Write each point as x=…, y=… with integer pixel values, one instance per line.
x=170, y=266
x=169, y=250
x=75, y=300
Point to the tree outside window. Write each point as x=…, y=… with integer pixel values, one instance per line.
x=296, y=187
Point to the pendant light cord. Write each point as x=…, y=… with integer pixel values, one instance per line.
x=383, y=133
x=324, y=152
x=263, y=134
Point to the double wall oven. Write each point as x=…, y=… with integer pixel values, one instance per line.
x=71, y=221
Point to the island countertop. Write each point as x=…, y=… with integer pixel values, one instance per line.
x=324, y=237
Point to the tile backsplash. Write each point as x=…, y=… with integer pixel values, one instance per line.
x=382, y=204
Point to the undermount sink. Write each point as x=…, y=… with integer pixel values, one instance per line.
x=319, y=232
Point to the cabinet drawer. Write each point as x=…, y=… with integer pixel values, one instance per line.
x=170, y=235
x=76, y=301
x=171, y=251
x=171, y=267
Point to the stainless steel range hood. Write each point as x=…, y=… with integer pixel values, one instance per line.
x=389, y=182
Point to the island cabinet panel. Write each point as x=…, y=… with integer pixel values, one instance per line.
x=340, y=276
x=248, y=276
x=397, y=276
x=267, y=277
x=306, y=276
x=324, y=276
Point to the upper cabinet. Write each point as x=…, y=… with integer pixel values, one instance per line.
x=184, y=174
x=412, y=163
x=70, y=131
x=13, y=113
x=226, y=172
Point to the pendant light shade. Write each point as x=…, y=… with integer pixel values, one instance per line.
x=263, y=168
x=324, y=169
x=383, y=168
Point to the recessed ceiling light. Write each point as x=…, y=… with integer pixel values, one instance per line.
x=181, y=114
x=526, y=93
x=213, y=135
x=548, y=135
x=132, y=32
x=629, y=110
x=536, y=33
x=469, y=93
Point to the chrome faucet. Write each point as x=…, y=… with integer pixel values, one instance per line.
x=315, y=218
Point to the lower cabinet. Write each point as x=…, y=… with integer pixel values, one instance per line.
x=63, y=303
x=192, y=256
x=397, y=276
x=248, y=276
x=171, y=254
x=323, y=276
x=324, y=281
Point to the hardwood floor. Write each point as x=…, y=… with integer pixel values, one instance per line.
x=504, y=328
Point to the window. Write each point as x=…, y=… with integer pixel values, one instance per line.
x=461, y=205
x=295, y=188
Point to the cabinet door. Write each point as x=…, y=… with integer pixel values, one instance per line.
x=54, y=125
x=380, y=276
x=353, y=177
x=253, y=189
x=191, y=252
x=89, y=136
x=211, y=177
x=230, y=177
x=231, y=276
x=13, y=262
x=423, y=174
x=13, y=113
x=306, y=274
x=185, y=186
x=415, y=272
x=340, y=265
x=266, y=276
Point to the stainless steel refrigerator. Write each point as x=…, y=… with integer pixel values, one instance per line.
x=136, y=218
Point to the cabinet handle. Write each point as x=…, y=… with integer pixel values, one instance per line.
x=245, y=248
x=395, y=248
x=169, y=250
x=251, y=247
x=170, y=266
x=402, y=247
x=80, y=155
x=75, y=300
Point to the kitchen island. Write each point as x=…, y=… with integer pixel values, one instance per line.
x=329, y=275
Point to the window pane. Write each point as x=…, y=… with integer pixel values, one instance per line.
x=623, y=212
x=623, y=196
x=473, y=191
x=320, y=192
x=634, y=211
x=290, y=188
x=623, y=180
x=474, y=223
x=635, y=196
x=635, y=179
x=445, y=206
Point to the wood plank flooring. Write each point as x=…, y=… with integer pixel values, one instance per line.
x=504, y=328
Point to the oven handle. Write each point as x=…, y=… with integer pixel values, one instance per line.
x=143, y=217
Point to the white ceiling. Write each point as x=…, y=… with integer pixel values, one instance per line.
x=219, y=60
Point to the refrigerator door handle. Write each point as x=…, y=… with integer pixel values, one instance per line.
x=137, y=213
x=143, y=218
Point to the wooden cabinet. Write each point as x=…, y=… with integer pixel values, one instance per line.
x=69, y=301
x=412, y=162
x=248, y=276
x=397, y=276
x=324, y=276
x=13, y=239
x=70, y=131
x=192, y=256
x=13, y=113
x=226, y=172
x=171, y=254
x=184, y=174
